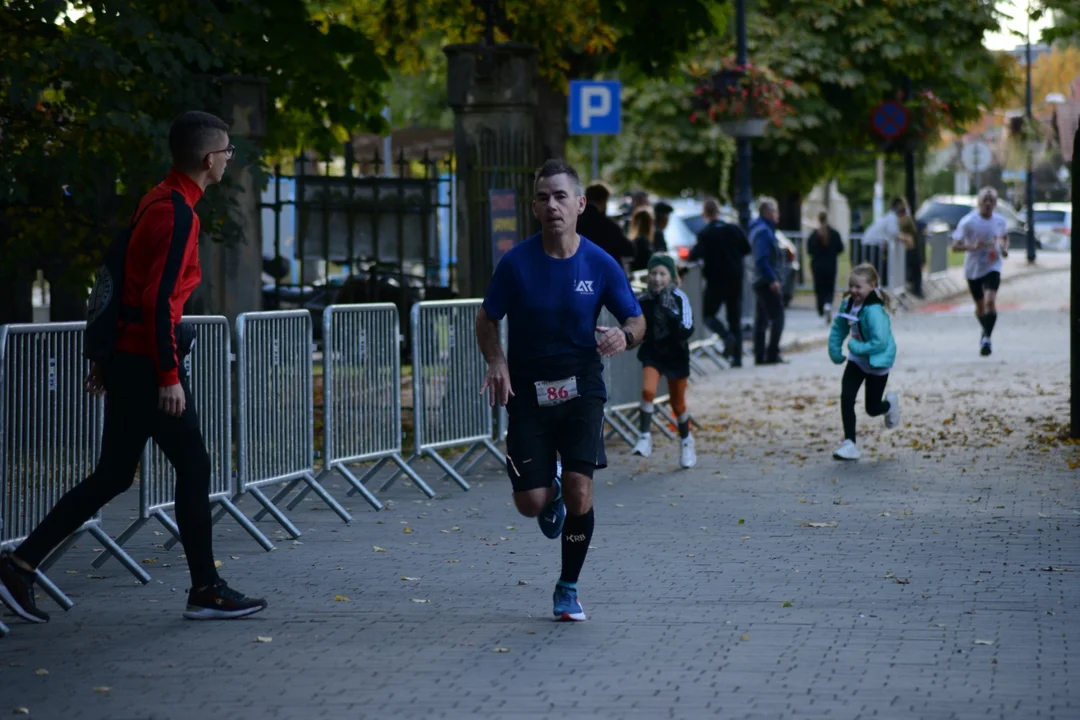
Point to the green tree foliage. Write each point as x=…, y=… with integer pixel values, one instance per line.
x=638, y=39
x=1066, y=15
x=849, y=55
x=87, y=90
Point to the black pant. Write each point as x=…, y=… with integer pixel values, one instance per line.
x=849, y=388
x=769, y=313
x=728, y=295
x=914, y=271
x=824, y=286
x=131, y=418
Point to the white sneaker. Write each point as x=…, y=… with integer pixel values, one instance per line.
x=828, y=314
x=892, y=418
x=689, y=456
x=644, y=445
x=846, y=451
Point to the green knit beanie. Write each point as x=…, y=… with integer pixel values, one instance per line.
x=665, y=260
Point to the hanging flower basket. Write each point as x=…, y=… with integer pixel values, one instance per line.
x=742, y=100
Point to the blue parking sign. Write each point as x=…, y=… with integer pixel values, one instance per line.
x=595, y=107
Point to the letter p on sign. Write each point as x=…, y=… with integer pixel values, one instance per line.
x=595, y=107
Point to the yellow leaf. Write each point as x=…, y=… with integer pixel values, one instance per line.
x=340, y=598
x=376, y=548
x=407, y=531
x=218, y=563
x=41, y=671
x=744, y=638
x=102, y=689
x=501, y=650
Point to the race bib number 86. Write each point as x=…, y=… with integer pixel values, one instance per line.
x=556, y=392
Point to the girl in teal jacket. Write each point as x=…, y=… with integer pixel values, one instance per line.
x=864, y=314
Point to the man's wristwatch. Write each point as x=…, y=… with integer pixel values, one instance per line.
x=629, y=338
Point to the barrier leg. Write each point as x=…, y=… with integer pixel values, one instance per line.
x=662, y=425
x=405, y=469
x=3, y=630
x=283, y=521
x=167, y=522
x=121, y=540
x=126, y=560
x=398, y=473
x=327, y=497
x=370, y=473
x=52, y=591
x=698, y=367
x=447, y=469
x=616, y=425
x=495, y=451
x=227, y=506
x=299, y=497
x=357, y=486
x=59, y=550
x=289, y=487
x=214, y=520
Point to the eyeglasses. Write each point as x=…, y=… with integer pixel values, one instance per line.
x=229, y=152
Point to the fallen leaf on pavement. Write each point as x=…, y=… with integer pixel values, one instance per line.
x=263, y=639
x=21, y=711
x=744, y=637
x=902, y=581
x=409, y=579
x=417, y=600
x=407, y=531
x=787, y=604
x=41, y=671
x=452, y=560
x=218, y=563
x=501, y=650
x=102, y=689
x=984, y=642
x=523, y=582
x=832, y=524
x=376, y=548
x=340, y=598
x=742, y=521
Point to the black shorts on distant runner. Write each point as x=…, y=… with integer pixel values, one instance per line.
x=989, y=281
x=572, y=431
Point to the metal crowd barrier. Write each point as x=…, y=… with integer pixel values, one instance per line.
x=277, y=414
x=448, y=409
x=209, y=373
x=3, y=630
x=362, y=394
x=50, y=436
x=704, y=342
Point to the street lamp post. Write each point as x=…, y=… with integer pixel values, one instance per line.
x=1029, y=186
x=742, y=144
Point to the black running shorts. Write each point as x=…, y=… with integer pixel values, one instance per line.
x=572, y=431
x=989, y=281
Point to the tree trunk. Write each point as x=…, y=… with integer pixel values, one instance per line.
x=551, y=114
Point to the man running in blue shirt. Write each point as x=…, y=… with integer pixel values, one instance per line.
x=551, y=287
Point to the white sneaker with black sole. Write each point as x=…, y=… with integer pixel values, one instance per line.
x=847, y=451
x=644, y=445
x=892, y=417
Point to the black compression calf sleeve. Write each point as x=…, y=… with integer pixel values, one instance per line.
x=989, y=320
x=577, y=533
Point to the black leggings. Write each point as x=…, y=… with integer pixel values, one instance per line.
x=849, y=388
x=824, y=288
x=131, y=418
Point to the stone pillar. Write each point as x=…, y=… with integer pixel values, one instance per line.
x=493, y=93
x=232, y=272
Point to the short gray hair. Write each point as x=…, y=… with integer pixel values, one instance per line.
x=767, y=203
x=553, y=167
x=985, y=192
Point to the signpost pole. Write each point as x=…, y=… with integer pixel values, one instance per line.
x=1074, y=304
x=595, y=158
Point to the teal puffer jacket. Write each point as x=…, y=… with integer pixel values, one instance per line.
x=874, y=325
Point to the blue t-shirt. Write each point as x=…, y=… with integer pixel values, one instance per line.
x=552, y=305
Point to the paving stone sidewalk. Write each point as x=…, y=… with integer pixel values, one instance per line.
x=937, y=578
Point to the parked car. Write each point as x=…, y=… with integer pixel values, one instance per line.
x=687, y=222
x=1053, y=226
x=942, y=213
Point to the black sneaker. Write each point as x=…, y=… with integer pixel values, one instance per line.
x=17, y=591
x=220, y=602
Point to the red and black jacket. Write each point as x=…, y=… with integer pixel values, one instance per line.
x=160, y=273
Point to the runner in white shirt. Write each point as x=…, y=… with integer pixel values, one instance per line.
x=983, y=235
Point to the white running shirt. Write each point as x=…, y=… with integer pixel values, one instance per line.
x=981, y=234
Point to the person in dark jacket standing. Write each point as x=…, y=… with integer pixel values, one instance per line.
x=147, y=393
x=824, y=247
x=722, y=247
x=594, y=224
x=662, y=212
x=669, y=323
x=768, y=290
x=641, y=235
